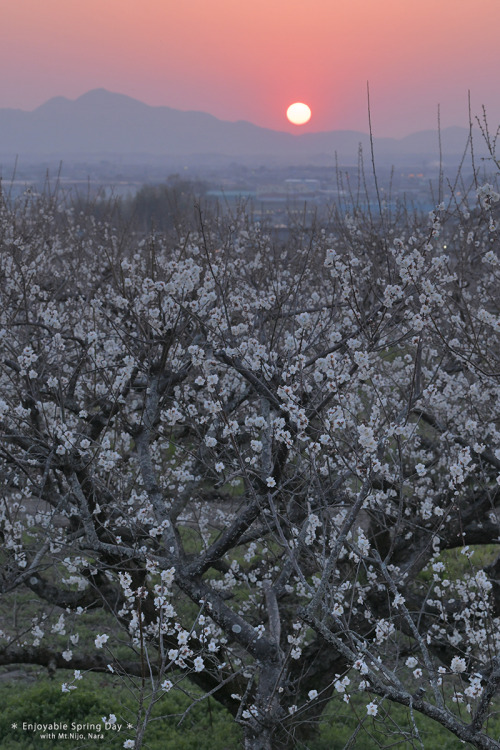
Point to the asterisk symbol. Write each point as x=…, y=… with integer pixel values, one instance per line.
x=130, y=726
x=13, y=726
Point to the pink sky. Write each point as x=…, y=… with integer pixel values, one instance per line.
x=242, y=60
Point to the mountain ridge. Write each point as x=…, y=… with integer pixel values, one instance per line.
x=101, y=122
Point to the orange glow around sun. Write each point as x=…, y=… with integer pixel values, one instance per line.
x=298, y=113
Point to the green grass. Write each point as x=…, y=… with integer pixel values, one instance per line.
x=207, y=726
x=393, y=727
x=457, y=565
x=98, y=696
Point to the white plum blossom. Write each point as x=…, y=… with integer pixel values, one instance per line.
x=384, y=628
x=367, y=438
x=398, y=600
x=458, y=665
x=361, y=666
x=199, y=664
x=341, y=684
x=475, y=688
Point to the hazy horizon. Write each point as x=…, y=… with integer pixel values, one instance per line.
x=242, y=61
x=298, y=131
x=104, y=122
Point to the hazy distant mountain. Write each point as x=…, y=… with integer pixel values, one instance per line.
x=101, y=123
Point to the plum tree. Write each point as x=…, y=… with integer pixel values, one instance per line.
x=252, y=459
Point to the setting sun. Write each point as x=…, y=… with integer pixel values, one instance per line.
x=298, y=113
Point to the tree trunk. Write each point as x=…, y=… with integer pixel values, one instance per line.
x=259, y=740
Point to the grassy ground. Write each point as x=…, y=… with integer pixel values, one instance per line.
x=206, y=727
x=99, y=696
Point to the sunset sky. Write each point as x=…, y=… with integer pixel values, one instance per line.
x=242, y=60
